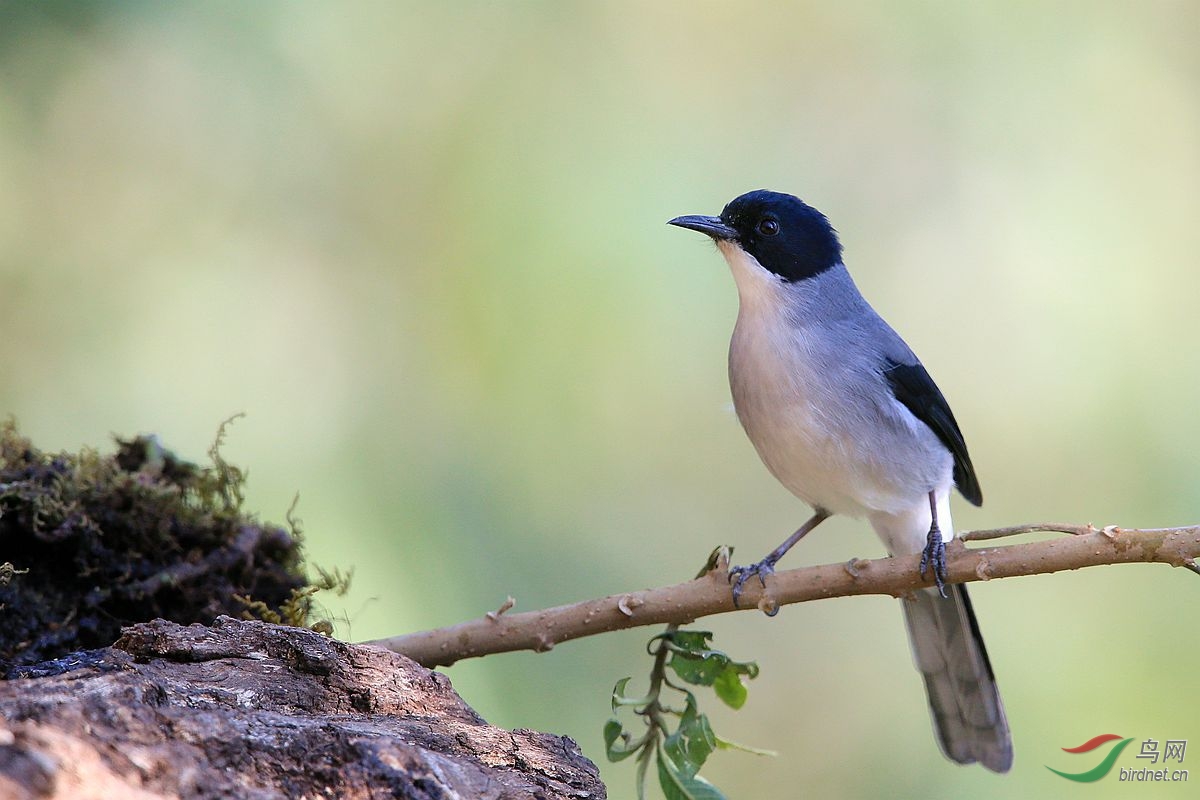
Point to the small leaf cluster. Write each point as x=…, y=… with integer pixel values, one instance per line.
x=678, y=739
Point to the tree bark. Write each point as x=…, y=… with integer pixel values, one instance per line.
x=258, y=711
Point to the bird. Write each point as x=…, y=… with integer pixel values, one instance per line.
x=846, y=417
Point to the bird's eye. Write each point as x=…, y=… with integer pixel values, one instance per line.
x=768, y=226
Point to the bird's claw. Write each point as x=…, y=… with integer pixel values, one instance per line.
x=739, y=575
x=934, y=557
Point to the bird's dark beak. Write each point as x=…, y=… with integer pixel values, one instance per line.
x=711, y=226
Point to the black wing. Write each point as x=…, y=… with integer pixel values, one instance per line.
x=916, y=390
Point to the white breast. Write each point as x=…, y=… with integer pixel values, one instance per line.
x=805, y=374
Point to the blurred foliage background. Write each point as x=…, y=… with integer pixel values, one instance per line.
x=423, y=247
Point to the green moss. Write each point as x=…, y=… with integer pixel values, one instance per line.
x=94, y=542
x=300, y=607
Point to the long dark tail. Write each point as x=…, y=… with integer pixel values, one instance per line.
x=968, y=716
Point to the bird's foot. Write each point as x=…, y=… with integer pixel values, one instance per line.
x=739, y=575
x=934, y=557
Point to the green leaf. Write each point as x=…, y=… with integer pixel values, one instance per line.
x=678, y=786
x=643, y=761
x=747, y=668
x=617, y=743
x=620, y=699
x=701, y=740
x=725, y=744
x=690, y=746
x=692, y=743
x=729, y=688
x=693, y=660
x=675, y=749
x=696, y=671
x=722, y=553
x=692, y=641
x=691, y=709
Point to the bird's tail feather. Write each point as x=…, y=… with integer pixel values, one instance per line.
x=968, y=716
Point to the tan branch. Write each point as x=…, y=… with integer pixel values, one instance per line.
x=709, y=594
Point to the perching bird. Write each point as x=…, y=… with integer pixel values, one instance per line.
x=845, y=416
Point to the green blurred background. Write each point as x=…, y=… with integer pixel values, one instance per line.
x=424, y=248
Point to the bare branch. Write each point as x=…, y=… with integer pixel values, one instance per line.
x=1037, y=527
x=683, y=603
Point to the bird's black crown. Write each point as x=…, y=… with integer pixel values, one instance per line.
x=783, y=233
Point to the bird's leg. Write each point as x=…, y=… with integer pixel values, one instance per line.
x=739, y=575
x=934, y=554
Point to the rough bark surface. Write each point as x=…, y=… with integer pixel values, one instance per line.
x=252, y=710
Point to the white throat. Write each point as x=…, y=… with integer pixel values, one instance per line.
x=757, y=286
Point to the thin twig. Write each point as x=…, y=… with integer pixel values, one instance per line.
x=1037, y=527
x=709, y=594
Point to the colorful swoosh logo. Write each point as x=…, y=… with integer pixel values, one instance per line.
x=1092, y=744
x=1100, y=770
